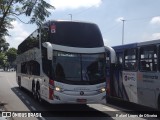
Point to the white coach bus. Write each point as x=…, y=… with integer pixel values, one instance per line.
x=64, y=62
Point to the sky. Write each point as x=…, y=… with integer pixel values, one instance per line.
x=142, y=19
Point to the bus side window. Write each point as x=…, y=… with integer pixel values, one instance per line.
x=148, y=58
x=144, y=66
x=44, y=35
x=130, y=59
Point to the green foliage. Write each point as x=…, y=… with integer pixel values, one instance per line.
x=3, y=60
x=3, y=45
x=8, y=58
x=11, y=55
x=37, y=10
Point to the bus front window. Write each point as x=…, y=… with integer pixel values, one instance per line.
x=79, y=68
x=93, y=67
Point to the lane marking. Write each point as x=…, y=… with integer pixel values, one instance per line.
x=23, y=97
x=27, y=101
x=33, y=108
x=42, y=118
x=110, y=109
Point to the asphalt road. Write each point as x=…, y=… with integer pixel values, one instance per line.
x=22, y=101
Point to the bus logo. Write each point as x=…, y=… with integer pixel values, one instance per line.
x=81, y=93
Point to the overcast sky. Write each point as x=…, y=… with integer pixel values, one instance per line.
x=142, y=19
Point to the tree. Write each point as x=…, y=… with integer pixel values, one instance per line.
x=2, y=57
x=3, y=45
x=35, y=9
x=3, y=61
x=11, y=55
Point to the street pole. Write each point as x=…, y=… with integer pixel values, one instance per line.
x=123, y=31
x=70, y=16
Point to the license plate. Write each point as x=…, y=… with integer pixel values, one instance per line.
x=81, y=100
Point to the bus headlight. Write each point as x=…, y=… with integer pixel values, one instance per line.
x=58, y=89
x=102, y=90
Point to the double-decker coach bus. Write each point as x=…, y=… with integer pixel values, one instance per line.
x=137, y=73
x=64, y=62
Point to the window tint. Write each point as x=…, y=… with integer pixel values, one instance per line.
x=148, y=58
x=76, y=34
x=31, y=68
x=29, y=43
x=130, y=59
x=44, y=34
x=77, y=68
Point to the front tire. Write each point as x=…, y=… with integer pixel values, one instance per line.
x=39, y=96
x=38, y=93
x=19, y=83
x=33, y=90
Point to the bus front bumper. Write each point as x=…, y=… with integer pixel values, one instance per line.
x=60, y=98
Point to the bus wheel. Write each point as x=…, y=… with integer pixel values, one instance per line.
x=19, y=83
x=38, y=93
x=33, y=91
x=39, y=96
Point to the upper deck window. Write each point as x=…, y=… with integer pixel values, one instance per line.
x=76, y=34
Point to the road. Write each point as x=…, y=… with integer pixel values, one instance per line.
x=22, y=101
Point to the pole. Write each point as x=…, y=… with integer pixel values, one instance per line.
x=123, y=31
x=70, y=16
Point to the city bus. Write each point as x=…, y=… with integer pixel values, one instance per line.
x=137, y=73
x=64, y=62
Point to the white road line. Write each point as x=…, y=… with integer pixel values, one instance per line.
x=23, y=97
x=110, y=109
x=42, y=118
x=27, y=101
x=33, y=108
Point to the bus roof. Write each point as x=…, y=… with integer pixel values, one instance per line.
x=120, y=48
x=151, y=42
x=76, y=21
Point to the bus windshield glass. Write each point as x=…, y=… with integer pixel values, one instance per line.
x=79, y=68
x=75, y=34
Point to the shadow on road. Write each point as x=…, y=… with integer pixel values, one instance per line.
x=132, y=108
x=57, y=110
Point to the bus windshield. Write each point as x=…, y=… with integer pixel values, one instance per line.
x=79, y=68
x=76, y=34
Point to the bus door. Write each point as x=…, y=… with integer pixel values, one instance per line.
x=130, y=74
x=118, y=81
x=119, y=87
x=110, y=67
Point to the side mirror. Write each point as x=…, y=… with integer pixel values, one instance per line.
x=48, y=45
